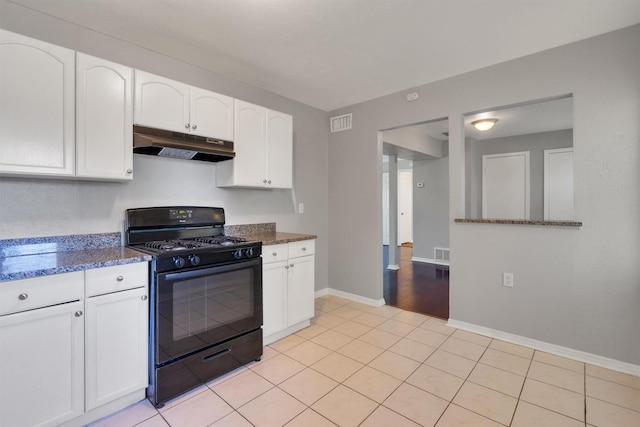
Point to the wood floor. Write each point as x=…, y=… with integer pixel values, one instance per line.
x=417, y=286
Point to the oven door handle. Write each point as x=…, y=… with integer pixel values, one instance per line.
x=212, y=269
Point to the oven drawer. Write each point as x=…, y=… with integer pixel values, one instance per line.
x=175, y=378
x=275, y=253
x=302, y=248
x=27, y=294
x=100, y=281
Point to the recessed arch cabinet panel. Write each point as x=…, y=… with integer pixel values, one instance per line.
x=37, y=113
x=104, y=126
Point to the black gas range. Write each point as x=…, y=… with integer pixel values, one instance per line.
x=206, y=296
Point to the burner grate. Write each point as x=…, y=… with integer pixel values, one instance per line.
x=221, y=240
x=172, y=245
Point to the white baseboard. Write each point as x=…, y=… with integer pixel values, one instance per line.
x=352, y=297
x=393, y=267
x=429, y=260
x=581, y=356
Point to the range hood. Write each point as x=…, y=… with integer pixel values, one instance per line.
x=156, y=142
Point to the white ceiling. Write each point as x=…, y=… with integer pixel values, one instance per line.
x=335, y=53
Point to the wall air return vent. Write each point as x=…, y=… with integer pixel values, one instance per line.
x=441, y=254
x=339, y=123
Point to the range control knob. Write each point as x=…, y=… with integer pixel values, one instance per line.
x=249, y=252
x=178, y=261
x=237, y=254
x=194, y=259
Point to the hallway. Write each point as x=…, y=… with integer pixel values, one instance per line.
x=417, y=286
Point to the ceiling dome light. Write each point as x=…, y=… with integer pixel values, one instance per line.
x=484, y=124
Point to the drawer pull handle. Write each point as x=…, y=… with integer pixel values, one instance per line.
x=209, y=358
x=275, y=254
x=78, y=313
x=304, y=248
x=119, y=278
x=23, y=297
x=143, y=297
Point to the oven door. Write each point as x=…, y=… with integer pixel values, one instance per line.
x=199, y=308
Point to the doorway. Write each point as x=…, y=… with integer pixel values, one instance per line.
x=405, y=201
x=413, y=278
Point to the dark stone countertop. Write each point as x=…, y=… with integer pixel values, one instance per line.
x=265, y=233
x=278, y=237
x=518, y=222
x=35, y=257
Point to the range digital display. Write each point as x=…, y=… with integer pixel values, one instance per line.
x=180, y=213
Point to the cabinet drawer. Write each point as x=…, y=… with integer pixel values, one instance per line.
x=275, y=253
x=27, y=294
x=302, y=248
x=117, y=278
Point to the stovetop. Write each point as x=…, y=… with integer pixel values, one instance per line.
x=183, y=237
x=207, y=242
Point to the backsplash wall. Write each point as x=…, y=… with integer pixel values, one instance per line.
x=34, y=207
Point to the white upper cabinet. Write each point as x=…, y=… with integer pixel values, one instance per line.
x=104, y=121
x=161, y=103
x=279, y=150
x=37, y=118
x=263, y=145
x=211, y=114
x=170, y=105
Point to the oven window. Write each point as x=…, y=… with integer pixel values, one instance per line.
x=202, y=307
x=210, y=302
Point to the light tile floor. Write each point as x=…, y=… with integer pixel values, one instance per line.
x=363, y=366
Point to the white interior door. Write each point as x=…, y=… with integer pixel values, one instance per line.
x=505, y=185
x=405, y=206
x=558, y=184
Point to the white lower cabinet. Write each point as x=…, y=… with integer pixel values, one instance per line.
x=288, y=288
x=73, y=346
x=116, y=345
x=42, y=366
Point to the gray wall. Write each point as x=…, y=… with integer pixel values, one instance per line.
x=535, y=144
x=577, y=288
x=430, y=206
x=43, y=207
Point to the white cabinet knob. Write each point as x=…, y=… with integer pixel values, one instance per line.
x=194, y=127
x=78, y=313
x=304, y=249
x=119, y=278
x=129, y=170
x=187, y=126
x=23, y=296
x=275, y=254
x=143, y=297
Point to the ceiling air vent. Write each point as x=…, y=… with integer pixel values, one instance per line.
x=342, y=122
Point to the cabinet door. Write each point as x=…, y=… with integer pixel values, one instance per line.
x=250, y=145
x=279, y=149
x=36, y=107
x=117, y=342
x=274, y=294
x=161, y=103
x=42, y=366
x=104, y=119
x=300, y=289
x=211, y=114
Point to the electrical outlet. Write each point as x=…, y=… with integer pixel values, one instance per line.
x=301, y=208
x=507, y=280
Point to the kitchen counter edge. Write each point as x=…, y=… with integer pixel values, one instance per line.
x=37, y=265
x=278, y=237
